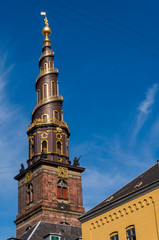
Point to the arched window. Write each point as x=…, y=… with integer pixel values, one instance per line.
x=52, y=88
x=45, y=90
x=114, y=236
x=29, y=193
x=130, y=233
x=45, y=116
x=56, y=114
x=61, y=115
x=45, y=66
x=58, y=147
x=67, y=143
x=38, y=96
x=44, y=146
x=62, y=190
x=50, y=64
x=55, y=87
x=31, y=149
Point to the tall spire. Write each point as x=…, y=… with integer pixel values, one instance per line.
x=50, y=187
x=48, y=132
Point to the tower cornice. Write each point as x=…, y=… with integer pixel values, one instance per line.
x=49, y=123
x=49, y=163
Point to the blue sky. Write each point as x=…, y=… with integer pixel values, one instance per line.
x=107, y=53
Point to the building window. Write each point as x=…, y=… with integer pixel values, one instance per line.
x=45, y=66
x=29, y=193
x=62, y=189
x=62, y=115
x=58, y=147
x=31, y=149
x=55, y=238
x=114, y=236
x=55, y=114
x=45, y=90
x=38, y=96
x=67, y=143
x=45, y=116
x=52, y=88
x=44, y=146
x=50, y=64
x=130, y=233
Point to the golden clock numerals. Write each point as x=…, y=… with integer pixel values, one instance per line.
x=62, y=172
x=28, y=176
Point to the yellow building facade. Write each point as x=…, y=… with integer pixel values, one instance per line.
x=132, y=213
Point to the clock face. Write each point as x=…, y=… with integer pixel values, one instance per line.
x=62, y=172
x=28, y=176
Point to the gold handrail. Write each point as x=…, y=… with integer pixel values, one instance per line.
x=46, y=100
x=47, y=121
x=45, y=71
x=46, y=53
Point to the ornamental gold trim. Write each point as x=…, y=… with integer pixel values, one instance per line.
x=48, y=121
x=28, y=176
x=62, y=172
x=44, y=135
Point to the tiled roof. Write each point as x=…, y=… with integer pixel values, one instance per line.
x=145, y=182
x=42, y=229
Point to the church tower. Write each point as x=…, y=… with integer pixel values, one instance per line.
x=49, y=189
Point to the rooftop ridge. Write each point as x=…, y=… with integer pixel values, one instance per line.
x=114, y=198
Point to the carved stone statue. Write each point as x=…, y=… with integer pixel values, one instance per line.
x=76, y=161
x=43, y=154
x=22, y=168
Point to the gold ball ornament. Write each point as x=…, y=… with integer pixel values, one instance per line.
x=46, y=31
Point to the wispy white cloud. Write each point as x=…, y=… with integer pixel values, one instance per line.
x=111, y=163
x=13, y=149
x=150, y=95
x=12, y=132
x=144, y=110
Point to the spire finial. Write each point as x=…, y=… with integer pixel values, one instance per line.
x=45, y=19
x=46, y=31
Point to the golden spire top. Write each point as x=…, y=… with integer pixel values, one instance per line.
x=46, y=31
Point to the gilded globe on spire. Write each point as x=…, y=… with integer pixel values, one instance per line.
x=46, y=31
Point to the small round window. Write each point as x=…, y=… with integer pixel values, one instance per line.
x=58, y=135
